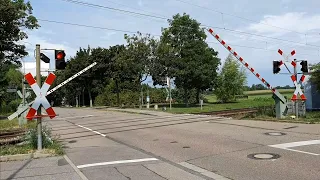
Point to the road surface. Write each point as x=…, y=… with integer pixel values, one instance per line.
x=116, y=145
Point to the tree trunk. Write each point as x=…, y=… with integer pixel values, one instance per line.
x=83, y=97
x=90, y=97
x=198, y=96
x=77, y=102
x=186, y=97
x=118, y=93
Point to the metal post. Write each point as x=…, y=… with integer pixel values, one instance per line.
x=296, y=103
x=141, y=98
x=169, y=86
x=38, y=74
x=148, y=98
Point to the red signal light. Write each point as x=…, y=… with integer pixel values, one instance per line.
x=60, y=55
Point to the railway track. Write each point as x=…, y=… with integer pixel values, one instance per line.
x=231, y=112
x=11, y=136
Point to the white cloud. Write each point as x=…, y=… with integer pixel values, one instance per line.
x=285, y=1
x=295, y=21
x=29, y=64
x=108, y=35
x=30, y=67
x=47, y=44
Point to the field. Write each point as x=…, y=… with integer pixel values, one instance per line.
x=260, y=98
x=255, y=99
x=268, y=92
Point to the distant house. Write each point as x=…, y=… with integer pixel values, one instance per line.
x=312, y=95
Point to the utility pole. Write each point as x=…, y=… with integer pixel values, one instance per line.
x=296, y=103
x=148, y=98
x=141, y=98
x=38, y=74
x=169, y=86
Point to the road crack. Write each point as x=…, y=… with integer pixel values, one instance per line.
x=122, y=173
x=154, y=172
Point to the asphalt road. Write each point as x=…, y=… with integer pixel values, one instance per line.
x=116, y=145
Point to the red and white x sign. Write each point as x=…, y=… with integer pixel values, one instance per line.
x=286, y=58
x=41, y=95
x=298, y=88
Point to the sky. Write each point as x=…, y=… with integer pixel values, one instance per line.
x=254, y=29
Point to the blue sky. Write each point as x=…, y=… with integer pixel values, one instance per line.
x=297, y=23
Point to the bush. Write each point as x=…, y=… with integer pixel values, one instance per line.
x=179, y=96
x=10, y=107
x=32, y=137
x=158, y=95
x=13, y=105
x=129, y=98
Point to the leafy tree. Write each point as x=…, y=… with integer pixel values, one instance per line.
x=16, y=16
x=231, y=80
x=260, y=87
x=134, y=60
x=14, y=77
x=184, y=55
x=315, y=77
x=137, y=56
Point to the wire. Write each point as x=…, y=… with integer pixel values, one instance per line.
x=216, y=11
x=259, y=35
x=132, y=7
x=258, y=48
x=82, y=25
x=133, y=32
x=164, y=18
x=115, y=9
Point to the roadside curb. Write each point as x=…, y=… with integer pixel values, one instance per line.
x=82, y=176
x=21, y=157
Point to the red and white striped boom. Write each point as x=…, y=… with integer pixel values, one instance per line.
x=235, y=54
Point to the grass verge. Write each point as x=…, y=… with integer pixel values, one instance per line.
x=311, y=118
x=209, y=107
x=29, y=143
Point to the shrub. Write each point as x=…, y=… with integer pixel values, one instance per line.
x=32, y=137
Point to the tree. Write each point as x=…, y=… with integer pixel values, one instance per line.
x=315, y=76
x=14, y=77
x=16, y=16
x=138, y=55
x=231, y=80
x=134, y=60
x=184, y=55
x=260, y=87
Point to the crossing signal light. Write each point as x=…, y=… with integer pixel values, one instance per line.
x=276, y=66
x=44, y=58
x=60, y=59
x=304, y=66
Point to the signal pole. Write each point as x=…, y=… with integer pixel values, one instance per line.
x=38, y=75
x=296, y=103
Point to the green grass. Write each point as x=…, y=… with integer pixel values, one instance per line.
x=257, y=98
x=54, y=148
x=311, y=118
x=15, y=149
x=209, y=107
x=6, y=124
x=266, y=92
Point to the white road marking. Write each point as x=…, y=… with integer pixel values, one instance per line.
x=287, y=146
x=117, y=162
x=91, y=130
x=106, y=135
x=74, y=117
x=203, y=171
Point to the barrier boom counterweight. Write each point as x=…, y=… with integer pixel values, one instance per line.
x=251, y=69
